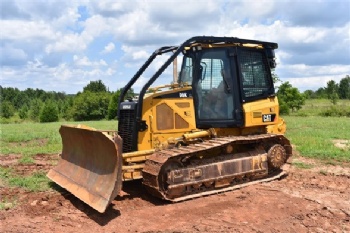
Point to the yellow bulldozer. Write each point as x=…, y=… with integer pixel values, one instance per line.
x=213, y=129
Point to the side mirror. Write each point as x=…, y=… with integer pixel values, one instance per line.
x=271, y=57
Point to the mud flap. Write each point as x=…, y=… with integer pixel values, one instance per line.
x=90, y=166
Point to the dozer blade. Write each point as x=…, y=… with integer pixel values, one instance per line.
x=90, y=166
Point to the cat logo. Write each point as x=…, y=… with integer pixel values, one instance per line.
x=126, y=106
x=267, y=118
x=183, y=95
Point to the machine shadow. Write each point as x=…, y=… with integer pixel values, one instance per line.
x=131, y=190
x=134, y=189
x=100, y=218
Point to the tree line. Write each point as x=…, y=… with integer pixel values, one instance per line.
x=95, y=102
x=291, y=99
x=332, y=91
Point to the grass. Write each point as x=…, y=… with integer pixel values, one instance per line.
x=315, y=107
x=35, y=182
x=38, y=138
x=313, y=136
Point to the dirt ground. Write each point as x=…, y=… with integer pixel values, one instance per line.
x=316, y=199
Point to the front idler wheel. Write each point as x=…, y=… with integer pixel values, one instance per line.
x=165, y=179
x=276, y=156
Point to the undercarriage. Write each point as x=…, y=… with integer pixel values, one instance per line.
x=216, y=165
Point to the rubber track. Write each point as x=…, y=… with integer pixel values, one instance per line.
x=153, y=165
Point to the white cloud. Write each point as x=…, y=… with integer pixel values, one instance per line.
x=66, y=43
x=111, y=8
x=140, y=55
x=85, y=61
x=134, y=56
x=109, y=48
x=18, y=30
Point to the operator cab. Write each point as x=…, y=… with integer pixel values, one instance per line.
x=223, y=79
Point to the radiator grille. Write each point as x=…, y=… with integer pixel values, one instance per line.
x=127, y=130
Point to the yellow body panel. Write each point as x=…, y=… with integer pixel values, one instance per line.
x=254, y=111
x=166, y=118
x=264, y=113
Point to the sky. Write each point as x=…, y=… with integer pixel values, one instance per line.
x=61, y=46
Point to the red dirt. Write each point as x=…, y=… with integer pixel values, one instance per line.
x=306, y=200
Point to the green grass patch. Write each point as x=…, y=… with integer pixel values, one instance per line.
x=35, y=182
x=323, y=107
x=314, y=136
x=5, y=173
x=30, y=138
x=26, y=159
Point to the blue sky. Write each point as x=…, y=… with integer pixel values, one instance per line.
x=61, y=46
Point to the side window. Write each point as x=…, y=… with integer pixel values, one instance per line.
x=187, y=70
x=255, y=73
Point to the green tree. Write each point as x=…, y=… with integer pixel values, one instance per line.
x=67, y=108
x=284, y=109
x=344, y=88
x=275, y=78
x=23, y=112
x=332, y=91
x=49, y=112
x=95, y=86
x=90, y=106
x=35, y=109
x=64, y=107
x=309, y=94
x=290, y=97
x=113, y=105
x=13, y=95
x=320, y=93
x=6, y=109
x=130, y=94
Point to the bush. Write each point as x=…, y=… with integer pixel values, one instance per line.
x=290, y=97
x=90, y=106
x=23, y=112
x=113, y=106
x=35, y=109
x=284, y=109
x=302, y=114
x=49, y=113
x=6, y=109
x=334, y=111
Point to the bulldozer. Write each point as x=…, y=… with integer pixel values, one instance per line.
x=216, y=127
